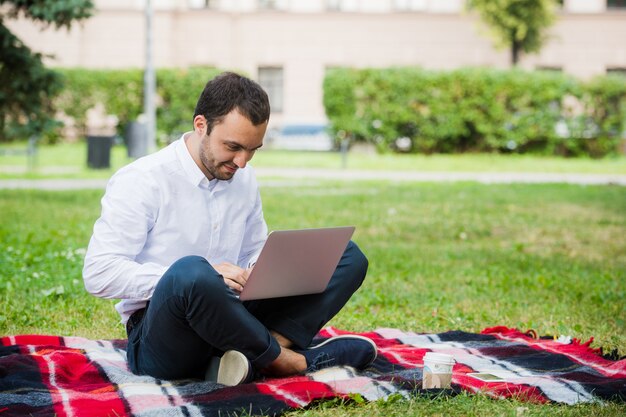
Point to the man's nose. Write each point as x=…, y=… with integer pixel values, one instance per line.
x=241, y=159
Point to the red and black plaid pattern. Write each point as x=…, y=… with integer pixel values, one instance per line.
x=76, y=377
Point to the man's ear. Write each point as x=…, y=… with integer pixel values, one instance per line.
x=199, y=125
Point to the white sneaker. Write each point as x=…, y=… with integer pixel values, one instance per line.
x=233, y=368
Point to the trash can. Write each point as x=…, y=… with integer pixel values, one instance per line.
x=99, y=151
x=136, y=139
x=101, y=130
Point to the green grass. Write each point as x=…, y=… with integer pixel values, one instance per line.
x=442, y=256
x=463, y=405
x=441, y=162
x=69, y=161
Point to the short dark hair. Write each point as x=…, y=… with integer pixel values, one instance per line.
x=229, y=91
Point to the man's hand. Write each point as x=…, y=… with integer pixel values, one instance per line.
x=234, y=276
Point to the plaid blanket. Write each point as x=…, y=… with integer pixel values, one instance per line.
x=71, y=376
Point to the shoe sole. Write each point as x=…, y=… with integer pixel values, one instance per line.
x=234, y=368
x=349, y=336
x=231, y=369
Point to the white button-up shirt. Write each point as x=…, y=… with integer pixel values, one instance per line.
x=161, y=208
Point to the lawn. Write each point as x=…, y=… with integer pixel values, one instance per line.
x=442, y=256
x=69, y=160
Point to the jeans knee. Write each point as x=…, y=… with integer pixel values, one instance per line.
x=356, y=264
x=192, y=264
x=358, y=259
x=194, y=275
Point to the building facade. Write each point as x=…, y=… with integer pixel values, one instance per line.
x=287, y=45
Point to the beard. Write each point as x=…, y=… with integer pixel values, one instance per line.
x=218, y=170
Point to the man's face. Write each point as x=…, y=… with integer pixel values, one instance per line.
x=229, y=146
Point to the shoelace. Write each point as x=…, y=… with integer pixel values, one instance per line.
x=321, y=361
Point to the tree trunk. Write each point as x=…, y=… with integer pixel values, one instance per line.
x=515, y=52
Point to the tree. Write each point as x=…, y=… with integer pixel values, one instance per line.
x=520, y=25
x=27, y=87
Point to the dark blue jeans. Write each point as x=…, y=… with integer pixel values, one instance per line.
x=193, y=316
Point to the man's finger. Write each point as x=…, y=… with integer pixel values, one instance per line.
x=232, y=272
x=233, y=285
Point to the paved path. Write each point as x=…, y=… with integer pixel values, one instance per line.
x=482, y=177
x=280, y=176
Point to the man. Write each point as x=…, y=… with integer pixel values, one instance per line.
x=178, y=235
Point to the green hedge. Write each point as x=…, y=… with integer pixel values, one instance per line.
x=121, y=93
x=477, y=110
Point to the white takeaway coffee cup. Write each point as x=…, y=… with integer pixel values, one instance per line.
x=437, y=372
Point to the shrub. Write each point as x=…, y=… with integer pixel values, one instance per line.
x=178, y=91
x=121, y=94
x=477, y=110
x=119, y=91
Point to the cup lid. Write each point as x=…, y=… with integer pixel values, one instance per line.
x=439, y=357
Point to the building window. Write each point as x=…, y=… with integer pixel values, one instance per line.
x=271, y=79
x=409, y=5
x=616, y=4
x=203, y=4
x=267, y=4
x=342, y=5
x=273, y=4
x=333, y=5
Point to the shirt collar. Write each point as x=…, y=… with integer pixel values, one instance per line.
x=193, y=173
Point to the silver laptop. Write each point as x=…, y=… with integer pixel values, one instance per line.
x=296, y=262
